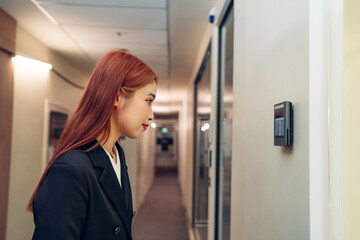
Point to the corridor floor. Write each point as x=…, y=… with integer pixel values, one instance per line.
x=162, y=216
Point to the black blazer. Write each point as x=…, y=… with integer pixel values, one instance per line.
x=80, y=198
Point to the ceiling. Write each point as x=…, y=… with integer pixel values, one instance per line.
x=166, y=34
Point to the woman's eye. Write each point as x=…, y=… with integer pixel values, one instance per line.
x=149, y=101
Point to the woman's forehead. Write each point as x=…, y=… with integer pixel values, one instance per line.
x=148, y=89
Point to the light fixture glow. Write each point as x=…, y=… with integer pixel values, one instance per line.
x=205, y=127
x=164, y=130
x=153, y=125
x=31, y=63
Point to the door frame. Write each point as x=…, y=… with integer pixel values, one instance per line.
x=214, y=123
x=336, y=122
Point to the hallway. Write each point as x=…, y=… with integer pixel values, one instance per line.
x=162, y=215
x=224, y=69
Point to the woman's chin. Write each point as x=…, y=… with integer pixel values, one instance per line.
x=133, y=135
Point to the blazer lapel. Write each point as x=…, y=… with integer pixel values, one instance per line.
x=110, y=184
x=125, y=180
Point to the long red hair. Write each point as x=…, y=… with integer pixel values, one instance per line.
x=116, y=71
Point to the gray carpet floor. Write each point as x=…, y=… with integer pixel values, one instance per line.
x=162, y=216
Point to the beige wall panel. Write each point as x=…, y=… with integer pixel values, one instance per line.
x=6, y=104
x=7, y=45
x=351, y=118
x=7, y=32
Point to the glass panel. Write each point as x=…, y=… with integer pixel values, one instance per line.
x=203, y=174
x=203, y=101
x=226, y=113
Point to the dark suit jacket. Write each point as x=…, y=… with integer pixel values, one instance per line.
x=80, y=198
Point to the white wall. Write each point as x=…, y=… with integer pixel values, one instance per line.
x=31, y=88
x=351, y=118
x=270, y=184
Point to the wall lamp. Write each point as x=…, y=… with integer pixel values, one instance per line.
x=31, y=63
x=35, y=64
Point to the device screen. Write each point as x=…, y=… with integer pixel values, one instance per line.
x=279, y=128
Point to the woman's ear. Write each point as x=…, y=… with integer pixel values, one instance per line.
x=118, y=100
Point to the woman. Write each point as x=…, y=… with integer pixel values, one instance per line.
x=84, y=192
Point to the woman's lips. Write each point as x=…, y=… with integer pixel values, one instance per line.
x=145, y=126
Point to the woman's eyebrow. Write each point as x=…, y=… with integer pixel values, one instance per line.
x=152, y=95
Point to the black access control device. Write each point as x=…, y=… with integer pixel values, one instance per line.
x=283, y=124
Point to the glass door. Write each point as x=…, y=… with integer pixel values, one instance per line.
x=201, y=149
x=224, y=151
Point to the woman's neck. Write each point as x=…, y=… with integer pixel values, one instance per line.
x=109, y=144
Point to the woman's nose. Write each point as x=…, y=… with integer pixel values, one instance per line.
x=151, y=115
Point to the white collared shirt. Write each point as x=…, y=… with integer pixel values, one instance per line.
x=116, y=166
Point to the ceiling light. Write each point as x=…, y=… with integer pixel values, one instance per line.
x=153, y=125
